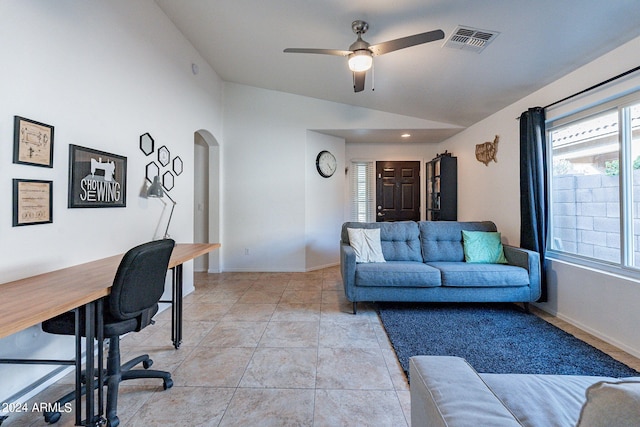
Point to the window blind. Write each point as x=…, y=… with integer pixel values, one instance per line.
x=362, y=197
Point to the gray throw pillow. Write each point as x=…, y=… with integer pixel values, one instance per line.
x=612, y=404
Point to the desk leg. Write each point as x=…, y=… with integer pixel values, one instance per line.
x=176, y=306
x=93, y=417
x=78, y=363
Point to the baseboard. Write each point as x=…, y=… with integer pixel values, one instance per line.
x=622, y=346
x=266, y=270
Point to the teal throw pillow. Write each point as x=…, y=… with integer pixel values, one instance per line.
x=483, y=247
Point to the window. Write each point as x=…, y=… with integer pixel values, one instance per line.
x=362, y=193
x=595, y=183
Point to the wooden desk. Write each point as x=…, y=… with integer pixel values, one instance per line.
x=32, y=300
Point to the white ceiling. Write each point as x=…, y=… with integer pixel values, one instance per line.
x=539, y=42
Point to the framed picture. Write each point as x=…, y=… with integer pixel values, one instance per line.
x=32, y=142
x=32, y=202
x=96, y=179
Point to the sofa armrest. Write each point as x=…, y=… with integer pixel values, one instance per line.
x=530, y=261
x=447, y=392
x=348, y=270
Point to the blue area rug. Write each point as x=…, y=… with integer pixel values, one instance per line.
x=493, y=338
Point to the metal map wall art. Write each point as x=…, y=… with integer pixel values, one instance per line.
x=487, y=151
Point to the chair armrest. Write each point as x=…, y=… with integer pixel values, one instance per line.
x=348, y=270
x=530, y=261
x=447, y=392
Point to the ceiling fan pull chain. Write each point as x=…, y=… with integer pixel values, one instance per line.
x=373, y=77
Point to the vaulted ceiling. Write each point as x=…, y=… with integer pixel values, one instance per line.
x=537, y=42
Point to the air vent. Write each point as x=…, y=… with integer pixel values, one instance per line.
x=471, y=39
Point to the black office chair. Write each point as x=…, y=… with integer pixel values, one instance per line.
x=133, y=301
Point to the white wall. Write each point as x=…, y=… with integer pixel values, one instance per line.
x=103, y=73
x=324, y=203
x=268, y=176
x=602, y=304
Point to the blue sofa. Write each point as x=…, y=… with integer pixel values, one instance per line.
x=425, y=262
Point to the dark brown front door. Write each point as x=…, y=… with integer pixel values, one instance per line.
x=397, y=191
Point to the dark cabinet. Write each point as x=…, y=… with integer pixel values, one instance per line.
x=442, y=188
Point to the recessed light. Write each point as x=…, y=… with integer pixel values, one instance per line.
x=406, y=135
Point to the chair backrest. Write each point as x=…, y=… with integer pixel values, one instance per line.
x=139, y=281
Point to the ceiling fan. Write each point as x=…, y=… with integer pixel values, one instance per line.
x=361, y=53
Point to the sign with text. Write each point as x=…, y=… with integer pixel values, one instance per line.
x=96, y=179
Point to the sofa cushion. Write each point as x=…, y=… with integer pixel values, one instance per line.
x=446, y=391
x=366, y=244
x=400, y=241
x=464, y=274
x=611, y=404
x=442, y=240
x=397, y=274
x=483, y=247
x=541, y=400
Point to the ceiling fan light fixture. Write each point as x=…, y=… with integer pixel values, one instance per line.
x=360, y=60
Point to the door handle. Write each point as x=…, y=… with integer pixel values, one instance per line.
x=380, y=214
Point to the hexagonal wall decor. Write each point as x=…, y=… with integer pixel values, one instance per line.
x=177, y=165
x=164, y=156
x=152, y=170
x=167, y=180
x=146, y=144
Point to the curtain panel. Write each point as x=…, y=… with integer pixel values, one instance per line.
x=534, y=186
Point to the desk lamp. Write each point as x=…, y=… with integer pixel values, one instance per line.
x=156, y=191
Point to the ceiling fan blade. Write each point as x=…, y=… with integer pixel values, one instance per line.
x=401, y=43
x=335, y=52
x=358, y=81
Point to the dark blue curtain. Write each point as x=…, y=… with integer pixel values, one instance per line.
x=533, y=186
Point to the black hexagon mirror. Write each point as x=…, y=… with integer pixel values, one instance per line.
x=164, y=156
x=167, y=180
x=177, y=165
x=152, y=171
x=146, y=144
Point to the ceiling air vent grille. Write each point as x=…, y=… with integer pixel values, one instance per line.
x=472, y=39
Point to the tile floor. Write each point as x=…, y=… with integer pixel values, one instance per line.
x=268, y=349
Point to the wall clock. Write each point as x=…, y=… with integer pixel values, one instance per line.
x=326, y=164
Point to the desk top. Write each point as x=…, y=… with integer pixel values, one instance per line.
x=32, y=300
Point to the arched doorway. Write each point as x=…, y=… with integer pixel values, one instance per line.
x=206, y=198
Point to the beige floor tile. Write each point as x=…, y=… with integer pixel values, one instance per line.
x=261, y=296
x=213, y=367
x=235, y=334
x=201, y=311
x=290, y=334
x=302, y=312
x=184, y=406
x=302, y=296
x=358, y=408
x=281, y=368
x=250, y=312
x=270, y=408
x=348, y=334
x=352, y=368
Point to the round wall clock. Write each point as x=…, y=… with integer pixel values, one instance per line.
x=326, y=164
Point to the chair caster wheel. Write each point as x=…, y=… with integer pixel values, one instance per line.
x=147, y=364
x=52, y=417
x=113, y=422
x=167, y=383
